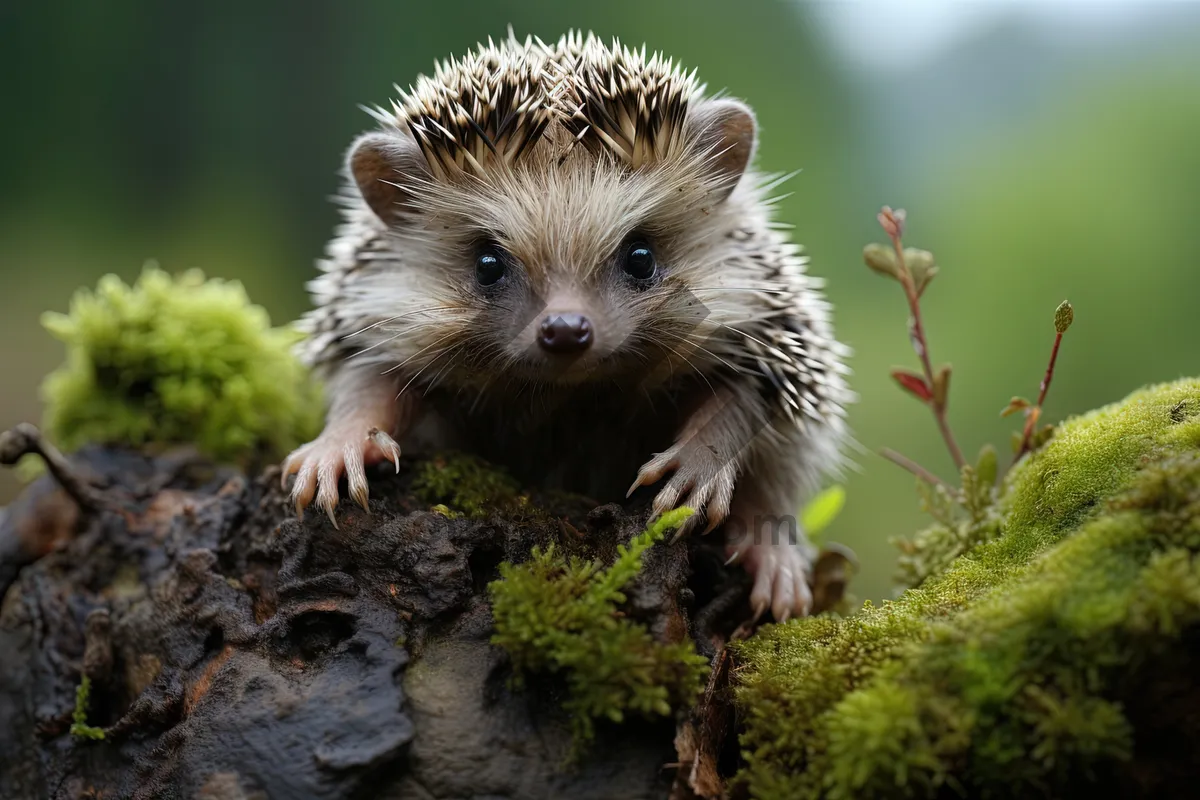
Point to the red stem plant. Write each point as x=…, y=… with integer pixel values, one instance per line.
x=913, y=269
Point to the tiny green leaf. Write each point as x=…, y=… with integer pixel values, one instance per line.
x=823, y=509
x=941, y=386
x=921, y=266
x=986, y=466
x=1015, y=405
x=882, y=259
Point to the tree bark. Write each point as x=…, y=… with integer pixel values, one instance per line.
x=235, y=651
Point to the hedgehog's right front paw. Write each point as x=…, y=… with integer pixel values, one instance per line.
x=319, y=466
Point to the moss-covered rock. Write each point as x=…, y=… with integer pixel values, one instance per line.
x=179, y=360
x=1010, y=671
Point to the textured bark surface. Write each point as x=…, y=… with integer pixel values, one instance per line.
x=235, y=651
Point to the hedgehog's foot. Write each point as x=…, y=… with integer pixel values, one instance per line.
x=320, y=464
x=774, y=551
x=701, y=481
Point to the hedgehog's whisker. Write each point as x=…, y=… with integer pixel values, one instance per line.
x=449, y=363
x=690, y=364
x=754, y=289
x=413, y=313
x=743, y=333
x=696, y=343
x=380, y=343
x=435, y=343
x=432, y=361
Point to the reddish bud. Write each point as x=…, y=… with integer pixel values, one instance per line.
x=892, y=221
x=914, y=384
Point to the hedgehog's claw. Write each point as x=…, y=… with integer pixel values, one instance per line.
x=329, y=472
x=305, y=486
x=387, y=446
x=356, y=476
x=319, y=466
x=654, y=470
x=701, y=482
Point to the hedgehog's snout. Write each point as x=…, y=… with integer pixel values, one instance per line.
x=565, y=333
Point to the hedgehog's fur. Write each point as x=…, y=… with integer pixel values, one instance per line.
x=557, y=154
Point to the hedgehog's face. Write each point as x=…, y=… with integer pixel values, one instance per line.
x=565, y=269
x=553, y=318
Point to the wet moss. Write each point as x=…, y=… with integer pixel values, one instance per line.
x=562, y=615
x=1003, y=672
x=458, y=483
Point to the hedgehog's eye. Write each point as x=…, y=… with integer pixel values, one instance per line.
x=639, y=261
x=489, y=266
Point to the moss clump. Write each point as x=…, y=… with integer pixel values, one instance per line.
x=1007, y=668
x=467, y=485
x=79, y=726
x=177, y=360
x=560, y=615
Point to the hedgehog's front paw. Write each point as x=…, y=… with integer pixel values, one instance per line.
x=702, y=481
x=780, y=570
x=320, y=464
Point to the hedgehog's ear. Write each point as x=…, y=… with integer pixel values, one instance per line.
x=725, y=131
x=384, y=165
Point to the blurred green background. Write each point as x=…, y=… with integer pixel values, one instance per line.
x=1043, y=150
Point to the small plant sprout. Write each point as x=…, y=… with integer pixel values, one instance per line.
x=1064, y=315
x=914, y=269
x=79, y=723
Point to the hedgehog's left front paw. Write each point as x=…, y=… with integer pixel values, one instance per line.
x=702, y=481
x=320, y=464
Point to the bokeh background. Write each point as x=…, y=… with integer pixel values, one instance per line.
x=1044, y=150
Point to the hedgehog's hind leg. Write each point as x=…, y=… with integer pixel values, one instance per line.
x=770, y=546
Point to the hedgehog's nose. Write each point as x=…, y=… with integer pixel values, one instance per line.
x=565, y=333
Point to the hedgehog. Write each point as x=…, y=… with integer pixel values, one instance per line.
x=558, y=257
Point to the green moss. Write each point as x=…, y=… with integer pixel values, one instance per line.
x=177, y=360
x=1005, y=668
x=562, y=616
x=466, y=485
x=79, y=726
